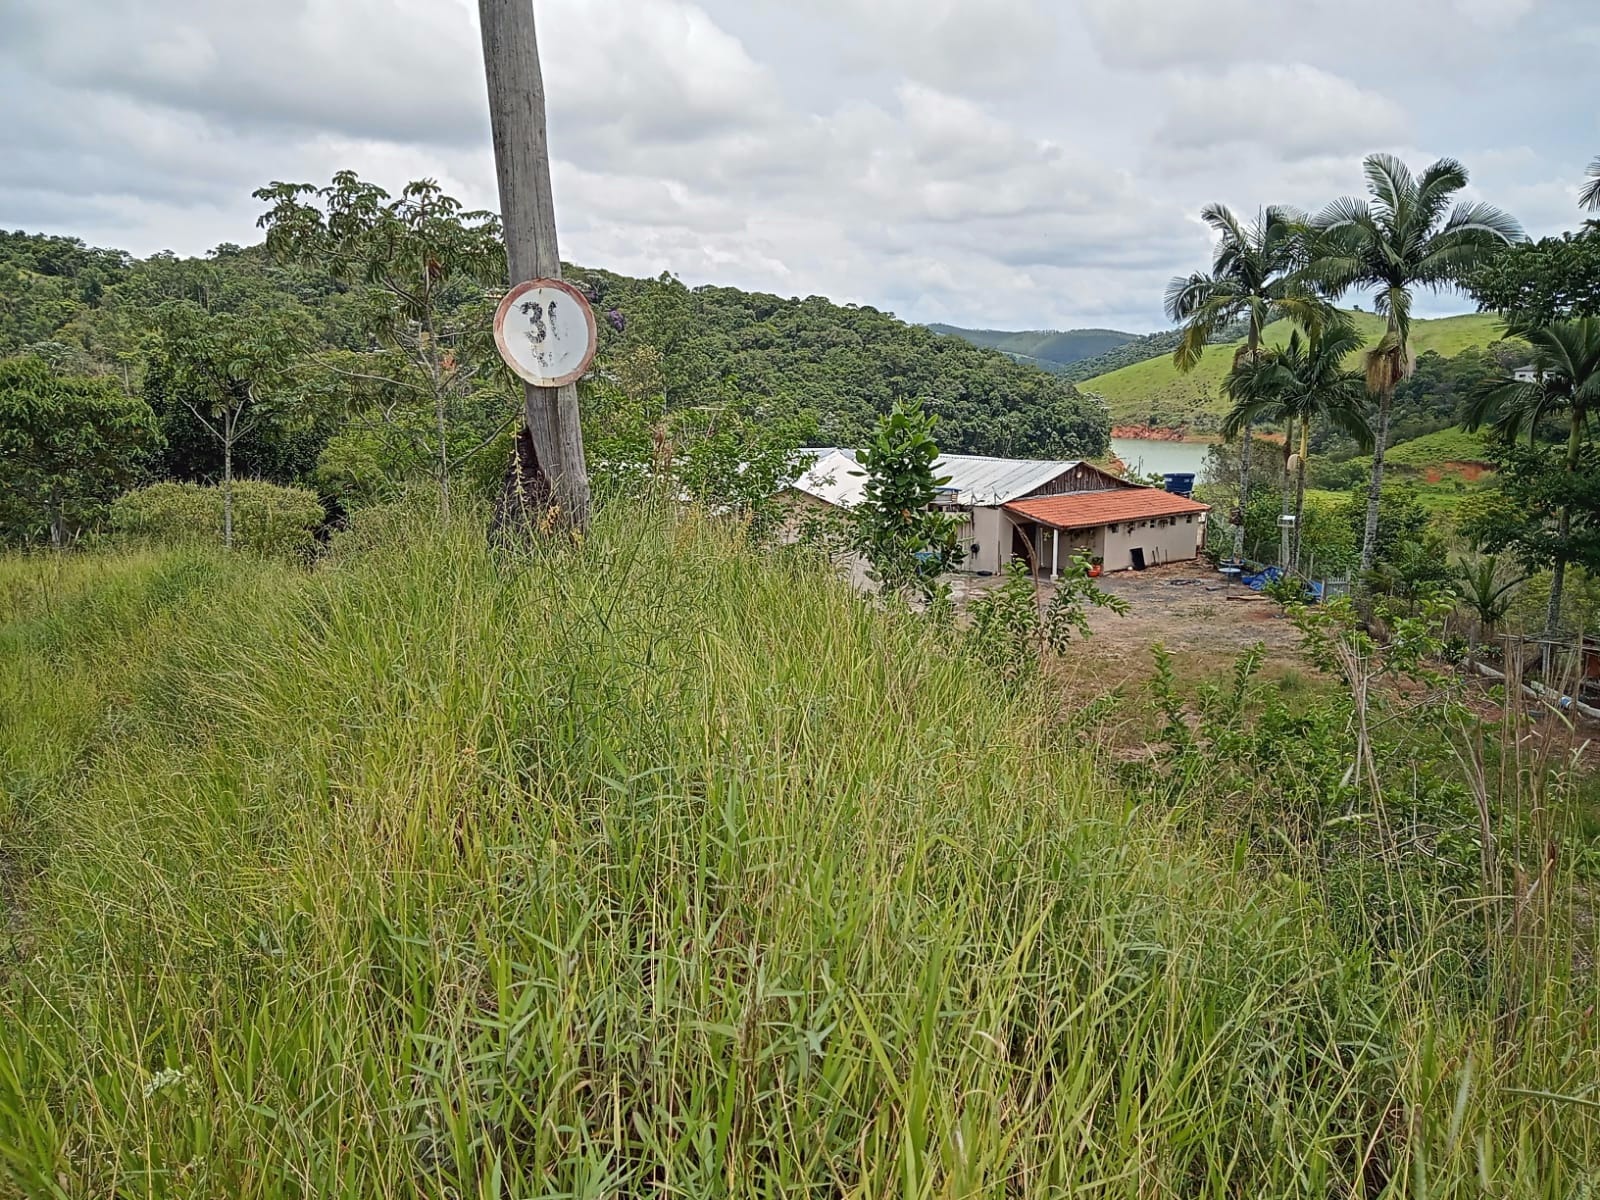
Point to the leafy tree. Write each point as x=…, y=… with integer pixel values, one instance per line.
x=1553, y=279
x=1011, y=633
x=1305, y=383
x=1405, y=236
x=907, y=542
x=422, y=264
x=732, y=458
x=1254, y=278
x=1549, y=515
x=1566, y=357
x=232, y=372
x=68, y=444
x=1405, y=519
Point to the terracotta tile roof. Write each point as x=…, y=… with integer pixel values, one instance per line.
x=1085, y=510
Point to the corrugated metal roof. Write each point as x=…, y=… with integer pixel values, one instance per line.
x=989, y=482
x=975, y=480
x=1087, y=510
x=833, y=477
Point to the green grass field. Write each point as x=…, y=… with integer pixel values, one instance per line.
x=1154, y=391
x=659, y=867
x=1444, y=446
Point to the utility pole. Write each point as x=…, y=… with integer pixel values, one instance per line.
x=527, y=210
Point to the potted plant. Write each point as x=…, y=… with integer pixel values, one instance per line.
x=1096, y=566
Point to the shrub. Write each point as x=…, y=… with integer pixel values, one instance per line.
x=267, y=519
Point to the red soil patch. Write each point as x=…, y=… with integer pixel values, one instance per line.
x=1469, y=472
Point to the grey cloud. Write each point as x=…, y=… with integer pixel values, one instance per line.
x=1029, y=162
x=1296, y=110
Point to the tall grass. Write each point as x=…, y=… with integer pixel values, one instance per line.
x=655, y=866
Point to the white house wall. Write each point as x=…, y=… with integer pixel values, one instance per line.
x=1161, y=543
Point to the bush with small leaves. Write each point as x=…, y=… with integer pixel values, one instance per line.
x=267, y=519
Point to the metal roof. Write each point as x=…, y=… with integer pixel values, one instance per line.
x=974, y=479
x=989, y=482
x=1087, y=510
x=833, y=477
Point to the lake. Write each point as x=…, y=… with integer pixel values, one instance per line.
x=1142, y=454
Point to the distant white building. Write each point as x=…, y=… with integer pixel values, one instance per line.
x=1041, y=511
x=1527, y=374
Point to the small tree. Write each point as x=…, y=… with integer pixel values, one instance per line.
x=68, y=443
x=230, y=371
x=907, y=543
x=1487, y=591
x=1011, y=633
x=423, y=264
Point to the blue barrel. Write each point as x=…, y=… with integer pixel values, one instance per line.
x=1180, y=484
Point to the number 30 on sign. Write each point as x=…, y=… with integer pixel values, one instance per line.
x=545, y=331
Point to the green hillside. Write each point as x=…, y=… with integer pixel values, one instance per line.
x=1445, y=446
x=1046, y=348
x=1154, y=392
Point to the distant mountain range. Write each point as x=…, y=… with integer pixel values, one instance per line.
x=1075, y=354
x=1054, y=350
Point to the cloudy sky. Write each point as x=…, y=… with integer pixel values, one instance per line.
x=1014, y=163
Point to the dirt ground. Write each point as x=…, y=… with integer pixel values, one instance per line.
x=1204, y=621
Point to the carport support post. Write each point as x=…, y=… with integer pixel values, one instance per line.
x=1055, y=554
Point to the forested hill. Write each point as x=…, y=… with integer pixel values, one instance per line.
x=1051, y=350
x=828, y=369
x=841, y=365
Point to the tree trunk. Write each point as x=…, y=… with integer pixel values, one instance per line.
x=527, y=208
x=1252, y=347
x=441, y=422
x=1369, y=539
x=1285, y=498
x=1558, y=574
x=1300, y=496
x=227, y=490
x=58, y=521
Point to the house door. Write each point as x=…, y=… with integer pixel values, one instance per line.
x=1020, y=547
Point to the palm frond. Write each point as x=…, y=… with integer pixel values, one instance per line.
x=1344, y=213
x=1484, y=219
x=1505, y=404
x=1186, y=355
x=1391, y=182
x=1438, y=183
x=1590, y=196
x=1185, y=293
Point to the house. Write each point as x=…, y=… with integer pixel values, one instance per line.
x=1526, y=374
x=1041, y=511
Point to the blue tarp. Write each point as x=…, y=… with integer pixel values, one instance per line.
x=1258, y=582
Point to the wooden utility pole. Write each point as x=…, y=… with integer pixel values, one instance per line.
x=527, y=210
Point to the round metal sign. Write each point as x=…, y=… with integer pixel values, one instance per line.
x=545, y=331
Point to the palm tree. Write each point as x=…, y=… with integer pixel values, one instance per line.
x=1566, y=359
x=1306, y=382
x=1487, y=592
x=1406, y=236
x=1254, y=279
x=1590, y=196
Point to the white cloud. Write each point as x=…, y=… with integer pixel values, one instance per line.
x=969, y=160
x=1296, y=111
x=1148, y=34
x=959, y=45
